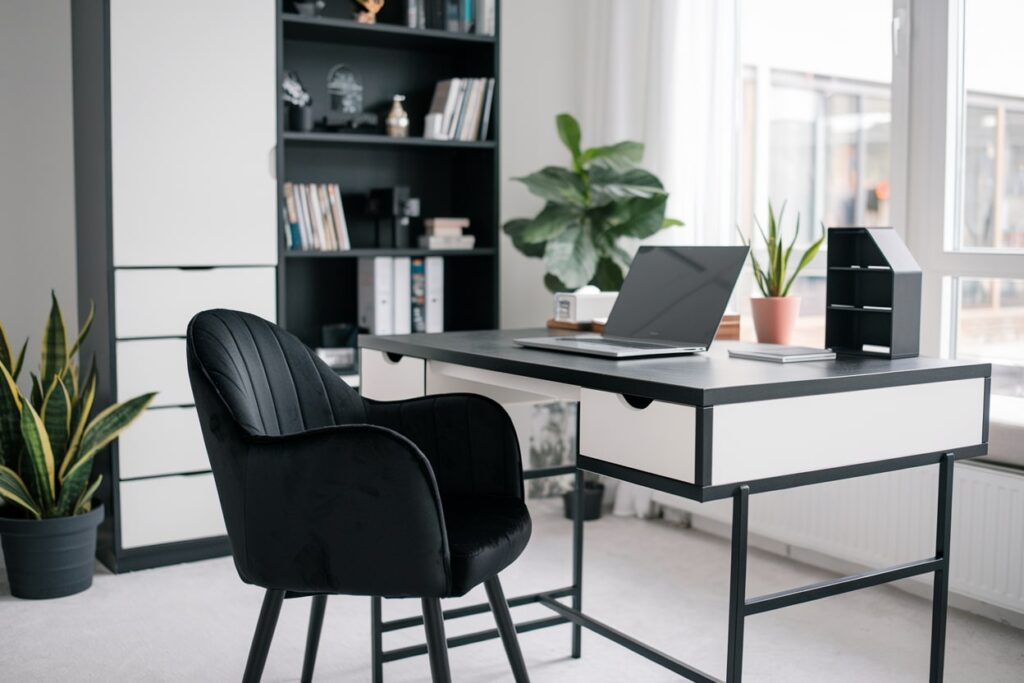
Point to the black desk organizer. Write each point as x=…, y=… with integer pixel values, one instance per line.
x=873, y=299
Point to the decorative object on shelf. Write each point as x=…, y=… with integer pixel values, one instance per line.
x=396, y=124
x=775, y=313
x=873, y=294
x=298, y=102
x=346, y=91
x=366, y=10
x=309, y=8
x=48, y=441
x=603, y=197
x=446, y=233
x=393, y=209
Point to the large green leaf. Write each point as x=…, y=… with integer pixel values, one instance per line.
x=10, y=418
x=608, y=277
x=549, y=223
x=13, y=489
x=640, y=218
x=619, y=157
x=556, y=184
x=607, y=185
x=571, y=256
x=40, y=456
x=57, y=418
x=514, y=229
x=569, y=133
x=54, y=348
x=553, y=284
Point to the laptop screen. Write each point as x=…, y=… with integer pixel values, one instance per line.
x=676, y=294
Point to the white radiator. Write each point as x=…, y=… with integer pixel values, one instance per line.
x=890, y=518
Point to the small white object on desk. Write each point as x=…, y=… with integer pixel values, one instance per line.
x=779, y=353
x=583, y=305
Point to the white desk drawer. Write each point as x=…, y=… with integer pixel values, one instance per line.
x=659, y=438
x=384, y=377
x=169, y=509
x=159, y=302
x=154, y=365
x=163, y=441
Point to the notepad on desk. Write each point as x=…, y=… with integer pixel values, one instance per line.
x=778, y=353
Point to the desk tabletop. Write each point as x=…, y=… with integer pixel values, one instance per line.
x=702, y=379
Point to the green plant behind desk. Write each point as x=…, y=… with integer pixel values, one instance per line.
x=48, y=440
x=605, y=196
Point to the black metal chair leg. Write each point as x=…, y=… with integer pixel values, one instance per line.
x=437, y=645
x=507, y=629
x=263, y=635
x=316, y=623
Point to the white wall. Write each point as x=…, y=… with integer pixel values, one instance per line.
x=37, y=188
x=540, y=74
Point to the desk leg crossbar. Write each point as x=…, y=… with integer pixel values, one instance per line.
x=378, y=627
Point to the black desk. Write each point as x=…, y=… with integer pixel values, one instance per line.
x=709, y=427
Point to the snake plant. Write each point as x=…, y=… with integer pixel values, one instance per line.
x=48, y=440
x=771, y=279
x=604, y=196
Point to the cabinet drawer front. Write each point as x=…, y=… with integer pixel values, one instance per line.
x=659, y=438
x=169, y=509
x=390, y=378
x=154, y=365
x=160, y=302
x=162, y=441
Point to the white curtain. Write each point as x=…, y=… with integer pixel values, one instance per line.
x=666, y=73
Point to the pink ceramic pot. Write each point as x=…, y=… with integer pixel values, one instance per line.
x=775, y=318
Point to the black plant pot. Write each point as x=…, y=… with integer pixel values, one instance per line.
x=300, y=118
x=50, y=558
x=593, y=495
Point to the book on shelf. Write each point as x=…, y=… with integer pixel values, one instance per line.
x=400, y=294
x=459, y=16
x=315, y=217
x=460, y=109
x=445, y=226
x=447, y=242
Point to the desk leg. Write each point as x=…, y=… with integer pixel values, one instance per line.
x=577, y=562
x=737, y=584
x=940, y=591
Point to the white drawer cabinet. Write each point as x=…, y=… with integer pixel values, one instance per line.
x=385, y=377
x=159, y=302
x=169, y=509
x=156, y=365
x=162, y=441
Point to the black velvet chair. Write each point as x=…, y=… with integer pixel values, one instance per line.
x=325, y=492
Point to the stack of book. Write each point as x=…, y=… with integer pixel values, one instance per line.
x=315, y=218
x=400, y=295
x=463, y=16
x=460, y=110
x=446, y=233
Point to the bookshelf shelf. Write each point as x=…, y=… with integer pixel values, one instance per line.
x=327, y=29
x=321, y=137
x=358, y=253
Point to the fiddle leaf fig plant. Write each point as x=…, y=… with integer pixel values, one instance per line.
x=48, y=440
x=603, y=197
x=772, y=278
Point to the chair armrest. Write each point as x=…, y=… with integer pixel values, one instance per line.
x=469, y=440
x=352, y=509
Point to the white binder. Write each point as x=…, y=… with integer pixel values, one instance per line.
x=434, y=268
x=402, y=295
x=376, y=306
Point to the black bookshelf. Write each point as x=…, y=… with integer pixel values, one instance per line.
x=451, y=178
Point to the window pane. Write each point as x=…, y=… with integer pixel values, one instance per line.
x=992, y=201
x=793, y=132
x=991, y=328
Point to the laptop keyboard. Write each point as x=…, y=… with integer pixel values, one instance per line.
x=613, y=342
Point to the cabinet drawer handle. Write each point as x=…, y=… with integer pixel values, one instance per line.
x=393, y=357
x=638, y=402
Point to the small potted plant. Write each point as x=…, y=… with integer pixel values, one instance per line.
x=776, y=312
x=48, y=441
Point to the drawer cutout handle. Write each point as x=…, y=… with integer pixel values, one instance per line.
x=394, y=358
x=638, y=402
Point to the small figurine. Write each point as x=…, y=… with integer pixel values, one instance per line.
x=366, y=12
x=397, y=122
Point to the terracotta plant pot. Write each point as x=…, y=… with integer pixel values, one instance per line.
x=775, y=318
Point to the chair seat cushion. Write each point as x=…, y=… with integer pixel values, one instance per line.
x=485, y=535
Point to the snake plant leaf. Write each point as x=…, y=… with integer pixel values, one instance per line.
x=83, y=330
x=619, y=157
x=571, y=256
x=608, y=186
x=514, y=229
x=20, y=362
x=56, y=416
x=13, y=490
x=672, y=223
x=55, y=350
x=569, y=133
x=640, y=218
x=81, y=419
x=549, y=223
x=84, y=503
x=37, y=445
x=10, y=417
x=5, y=350
x=36, y=395
x=809, y=255
x=556, y=184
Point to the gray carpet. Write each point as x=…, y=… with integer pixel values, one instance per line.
x=662, y=583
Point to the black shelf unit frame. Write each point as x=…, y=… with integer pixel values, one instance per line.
x=451, y=178
x=873, y=294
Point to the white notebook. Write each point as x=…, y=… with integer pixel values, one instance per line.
x=778, y=353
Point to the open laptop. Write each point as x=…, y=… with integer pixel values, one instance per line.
x=671, y=303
